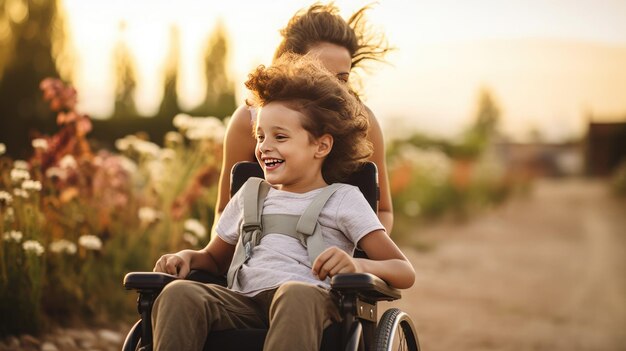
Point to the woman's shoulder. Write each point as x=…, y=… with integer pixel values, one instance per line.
x=370, y=115
x=243, y=116
x=240, y=125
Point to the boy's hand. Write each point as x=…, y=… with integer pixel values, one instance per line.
x=333, y=261
x=172, y=264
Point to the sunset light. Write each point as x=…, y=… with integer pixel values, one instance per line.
x=545, y=62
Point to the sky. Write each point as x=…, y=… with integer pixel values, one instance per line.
x=549, y=64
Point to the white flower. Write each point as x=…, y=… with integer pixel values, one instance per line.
x=200, y=128
x=173, y=138
x=18, y=175
x=132, y=142
x=157, y=170
x=147, y=148
x=205, y=128
x=90, y=242
x=33, y=246
x=67, y=162
x=181, y=121
x=194, y=226
x=63, y=246
x=20, y=193
x=128, y=165
x=20, y=164
x=13, y=235
x=126, y=142
x=33, y=185
x=190, y=238
x=168, y=155
x=56, y=172
x=3, y=148
x=5, y=198
x=40, y=143
x=148, y=215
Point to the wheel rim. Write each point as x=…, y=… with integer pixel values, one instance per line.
x=395, y=331
x=402, y=335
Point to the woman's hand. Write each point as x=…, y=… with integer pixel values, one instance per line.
x=173, y=264
x=333, y=261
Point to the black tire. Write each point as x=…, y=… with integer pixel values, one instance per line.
x=395, y=331
x=133, y=339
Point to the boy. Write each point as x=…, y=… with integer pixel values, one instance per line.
x=310, y=133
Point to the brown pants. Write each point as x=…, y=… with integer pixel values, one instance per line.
x=295, y=313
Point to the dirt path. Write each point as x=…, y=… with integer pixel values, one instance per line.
x=547, y=272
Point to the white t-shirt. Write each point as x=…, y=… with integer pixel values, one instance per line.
x=345, y=219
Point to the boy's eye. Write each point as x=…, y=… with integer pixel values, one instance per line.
x=281, y=137
x=260, y=137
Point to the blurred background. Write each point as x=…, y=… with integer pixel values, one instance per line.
x=505, y=125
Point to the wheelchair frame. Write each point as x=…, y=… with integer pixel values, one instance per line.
x=358, y=292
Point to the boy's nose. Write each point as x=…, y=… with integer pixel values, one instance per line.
x=265, y=145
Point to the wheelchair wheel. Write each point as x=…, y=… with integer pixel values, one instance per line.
x=395, y=331
x=133, y=339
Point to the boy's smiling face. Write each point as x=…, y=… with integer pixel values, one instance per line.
x=290, y=157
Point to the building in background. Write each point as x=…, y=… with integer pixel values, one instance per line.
x=605, y=147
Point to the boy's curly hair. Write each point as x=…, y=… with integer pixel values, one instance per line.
x=304, y=85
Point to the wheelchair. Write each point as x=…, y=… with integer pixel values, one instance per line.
x=359, y=293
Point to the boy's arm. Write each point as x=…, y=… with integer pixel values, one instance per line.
x=214, y=258
x=385, y=261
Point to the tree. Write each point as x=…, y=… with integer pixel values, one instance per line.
x=487, y=116
x=169, y=104
x=480, y=134
x=32, y=33
x=126, y=80
x=219, y=99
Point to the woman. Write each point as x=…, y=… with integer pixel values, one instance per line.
x=340, y=45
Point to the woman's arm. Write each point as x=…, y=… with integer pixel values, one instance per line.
x=375, y=136
x=238, y=146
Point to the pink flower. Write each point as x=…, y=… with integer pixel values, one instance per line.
x=60, y=96
x=83, y=125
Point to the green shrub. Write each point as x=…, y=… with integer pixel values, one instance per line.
x=74, y=222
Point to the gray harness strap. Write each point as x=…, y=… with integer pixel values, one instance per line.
x=254, y=190
x=308, y=225
x=255, y=225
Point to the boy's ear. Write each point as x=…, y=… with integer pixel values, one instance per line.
x=324, y=145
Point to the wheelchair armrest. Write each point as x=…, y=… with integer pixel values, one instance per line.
x=201, y=276
x=145, y=281
x=366, y=285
